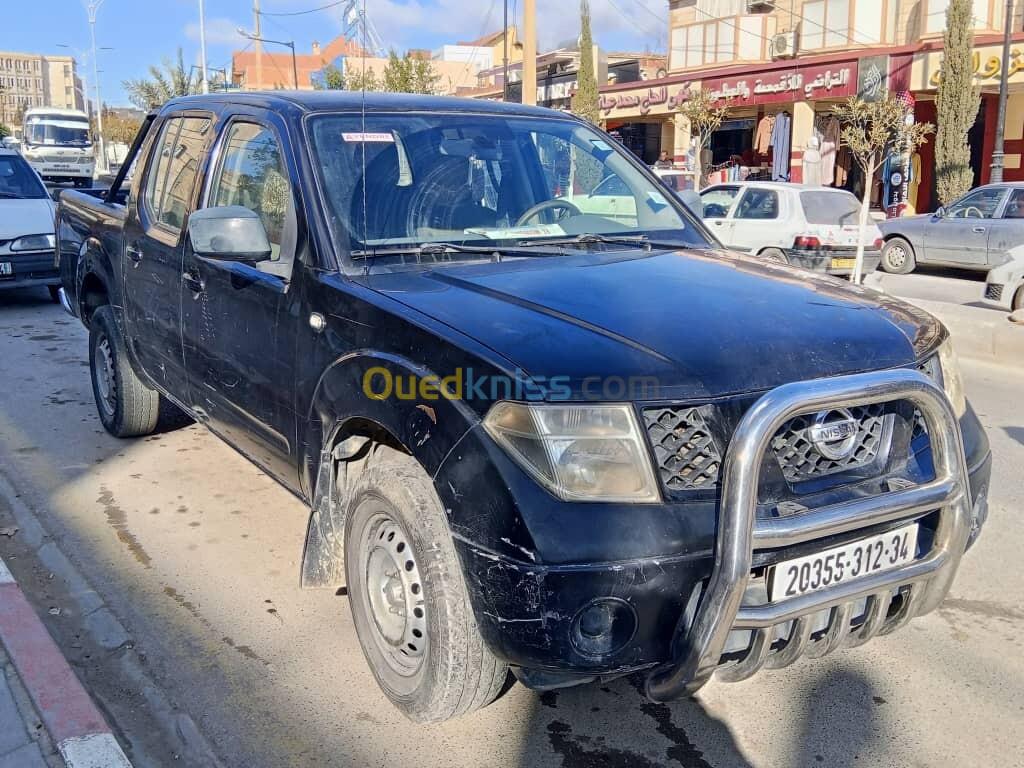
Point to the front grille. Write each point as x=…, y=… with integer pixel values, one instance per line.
x=994, y=292
x=686, y=453
x=799, y=460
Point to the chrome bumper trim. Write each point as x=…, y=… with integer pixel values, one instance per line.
x=916, y=588
x=63, y=296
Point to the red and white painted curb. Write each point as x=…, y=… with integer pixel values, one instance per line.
x=72, y=720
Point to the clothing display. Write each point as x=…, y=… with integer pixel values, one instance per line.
x=763, y=134
x=914, y=183
x=780, y=142
x=812, y=163
x=828, y=135
x=844, y=161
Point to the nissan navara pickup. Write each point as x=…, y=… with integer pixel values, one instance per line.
x=531, y=437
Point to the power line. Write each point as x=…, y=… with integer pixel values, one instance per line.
x=647, y=32
x=303, y=13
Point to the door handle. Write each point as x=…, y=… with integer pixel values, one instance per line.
x=718, y=223
x=979, y=230
x=193, y=281
x=133, y=253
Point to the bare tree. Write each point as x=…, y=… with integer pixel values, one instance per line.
x=705, y=118
x=873, y=130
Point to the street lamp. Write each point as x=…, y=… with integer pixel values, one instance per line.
x=288, y=43
x=202, y=45
x=91, y=7
x=996, y=175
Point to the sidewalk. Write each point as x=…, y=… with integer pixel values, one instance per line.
x=47, y=720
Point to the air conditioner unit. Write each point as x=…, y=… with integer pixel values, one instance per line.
x=783, y=45
x=760, y=6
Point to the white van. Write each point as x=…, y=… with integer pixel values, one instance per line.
x=57, y=143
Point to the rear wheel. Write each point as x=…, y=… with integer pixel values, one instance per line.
x=408, y=597
x=127, y=407
x=774, y=254
x=898, y=256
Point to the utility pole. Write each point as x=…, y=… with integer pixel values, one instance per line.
x=258, y=31
x=530, y=52
x=996, y=175
x=91, y=7
x=202, y=46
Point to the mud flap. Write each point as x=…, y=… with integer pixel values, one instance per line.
x=323, y=557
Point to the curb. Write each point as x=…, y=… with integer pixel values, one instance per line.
x=981, y=334
x=76, y=726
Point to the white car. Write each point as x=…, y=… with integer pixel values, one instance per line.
x=816, y=228
x=26, y=227
x=1004, y=285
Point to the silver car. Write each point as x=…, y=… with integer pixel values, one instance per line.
x=978, y=231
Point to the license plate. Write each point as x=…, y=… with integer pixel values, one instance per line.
x=840, y=565
x=6, y=269
x=844, y=263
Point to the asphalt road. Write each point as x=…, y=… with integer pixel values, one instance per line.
x=197, y=553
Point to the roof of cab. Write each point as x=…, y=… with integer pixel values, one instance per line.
x=346, y=101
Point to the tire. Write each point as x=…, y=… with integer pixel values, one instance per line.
x=1018, y=300
x=774, y=254
x=54, y=293
x=409, y=601
x=127, y=407
x=898, y=257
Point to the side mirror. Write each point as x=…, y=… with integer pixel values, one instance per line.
x=229, y=233
x=55, y=194
x=940, y=212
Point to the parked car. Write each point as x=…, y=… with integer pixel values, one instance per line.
x=978, y=231
x=816, y=228
x=1004, y=285
x=26, y=227
x=530, y=437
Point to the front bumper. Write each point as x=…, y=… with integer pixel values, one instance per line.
x=30, y=269
x=687, y=614
x=834, y=261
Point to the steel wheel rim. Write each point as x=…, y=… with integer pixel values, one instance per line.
x=896, y=255
x=106, y=381
x=393, y=590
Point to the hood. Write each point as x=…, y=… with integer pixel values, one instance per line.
x=703, y=324
x=25, y=217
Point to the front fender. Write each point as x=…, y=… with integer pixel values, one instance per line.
x=427, y=425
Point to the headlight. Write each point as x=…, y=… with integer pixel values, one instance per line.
x=578, y=452
x=33, y=243
x=949, y=366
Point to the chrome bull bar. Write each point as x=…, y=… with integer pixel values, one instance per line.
x=922, y=584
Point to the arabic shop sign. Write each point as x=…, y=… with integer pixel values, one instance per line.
x=872, y=78
x=797, y=84
x=987, y=63
x=644, y=101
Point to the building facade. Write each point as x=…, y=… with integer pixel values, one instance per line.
x=794, y=60
x=36, y=80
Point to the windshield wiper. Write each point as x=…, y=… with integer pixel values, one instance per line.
x=444, y=249
x=591, y=238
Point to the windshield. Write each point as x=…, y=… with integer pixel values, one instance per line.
x=17, y=180
x=410, y=180
x=830, y=207
x=51, y=131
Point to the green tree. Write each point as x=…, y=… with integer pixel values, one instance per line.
x=4, y=131
x=408, y=74
x=956, y=103
x=585, y=102
x=333, y=79
x=873, y=130
x=162, y=85
x=705, y=118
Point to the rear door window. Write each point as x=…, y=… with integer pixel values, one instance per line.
x=172, y=173
x=831, y=208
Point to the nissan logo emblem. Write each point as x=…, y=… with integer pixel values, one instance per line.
x=834, y=434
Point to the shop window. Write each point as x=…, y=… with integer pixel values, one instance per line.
x=826, y=24
x=758, y=204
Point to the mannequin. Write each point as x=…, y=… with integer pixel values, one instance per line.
x=812, y=162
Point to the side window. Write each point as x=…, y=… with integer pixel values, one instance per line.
x=252, y=174
x=718, y=201
x=980, y=204
x=1015, y=207
x=758, y=204
x=172, y=177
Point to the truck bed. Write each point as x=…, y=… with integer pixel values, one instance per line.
x=85, y=215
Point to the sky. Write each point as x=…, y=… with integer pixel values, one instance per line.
x=143, y=32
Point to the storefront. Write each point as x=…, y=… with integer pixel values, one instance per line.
x=646, y=118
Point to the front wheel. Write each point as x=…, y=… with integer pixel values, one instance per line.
x=408, y=597
x=127, y=407
x=898, y=257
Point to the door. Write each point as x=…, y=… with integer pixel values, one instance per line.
x=756, y=219
x=960, y=235
x=716, y=203
x=1007, y=231
x=153, y=233
x=241, y=320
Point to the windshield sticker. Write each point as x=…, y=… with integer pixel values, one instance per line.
x=600, y=145
x=381, y=138
x=544, y=230
x=656, y=200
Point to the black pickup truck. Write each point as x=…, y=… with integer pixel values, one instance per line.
x=536, y=432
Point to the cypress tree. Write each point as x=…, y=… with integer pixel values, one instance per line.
x=585, y=101
x=956, y=103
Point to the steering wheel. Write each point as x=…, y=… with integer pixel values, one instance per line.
x=547, y=205
x=968, y=215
